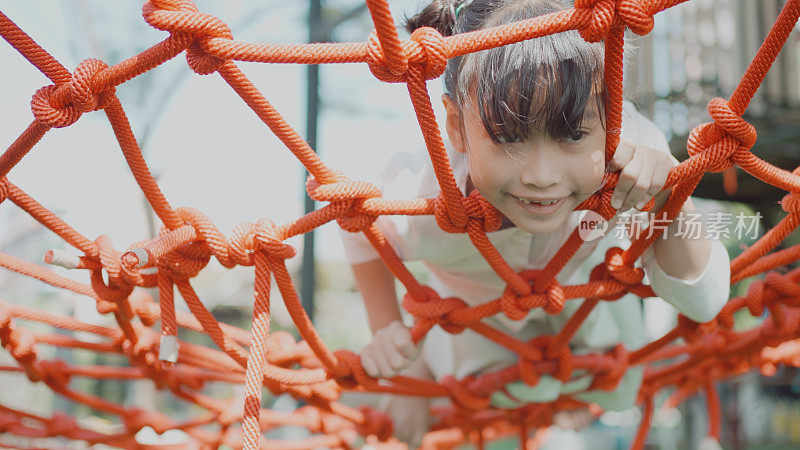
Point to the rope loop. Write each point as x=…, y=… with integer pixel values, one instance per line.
x=49, y=116
x=607, y=13
x=731, y=123
x=426, y=50
x=351, y=194
x=118, y=287
x=268, y=240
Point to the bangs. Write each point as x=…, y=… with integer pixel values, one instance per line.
x=538, y=86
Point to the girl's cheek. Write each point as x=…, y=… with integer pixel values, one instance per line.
x=597, y=163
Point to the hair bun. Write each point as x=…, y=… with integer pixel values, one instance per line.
x=439, y=14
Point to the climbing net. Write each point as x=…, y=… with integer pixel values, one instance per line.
x=691, y=357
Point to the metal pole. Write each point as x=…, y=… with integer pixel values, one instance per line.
x=308, y=272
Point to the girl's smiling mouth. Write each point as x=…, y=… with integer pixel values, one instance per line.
x=539, y=206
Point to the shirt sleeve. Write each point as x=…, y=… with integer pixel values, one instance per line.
x=403, y=175
x=701, y=298
x=357, y=248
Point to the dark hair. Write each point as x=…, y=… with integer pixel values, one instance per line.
x=538, y=85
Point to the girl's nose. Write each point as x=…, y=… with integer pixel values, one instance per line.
x=541, y=170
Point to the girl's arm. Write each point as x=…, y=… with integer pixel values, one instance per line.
x=391, y=349
x=376, y=284
x=678, y=255
x=690, y=272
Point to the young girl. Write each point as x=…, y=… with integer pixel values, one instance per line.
x=526, y=128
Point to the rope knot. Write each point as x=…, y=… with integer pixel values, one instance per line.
x=189, y=259
x=375, y=423
x=755, y=298
x=510, y=304
x=728, y=135
x=349, y=372
x=50, y=108
x=616, y=268
x=55, y=372
x=692, y=331
x=433, y=52
x=61, y=425
x=3, y=189
x=117, y=289
x=462, y=396
x=527, y=365
x=426, y=52
x=434, y=310
x=608, y=380
x=790, y=203
x=731, y=123
x=182, y=17
x=135, y=420
x=23, y=346
x=543, y=283
x=50, y=116
x=350, y=195
x=605, y=14
x=478, y=212
x=268, y=240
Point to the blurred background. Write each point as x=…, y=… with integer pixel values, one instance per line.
x=210, y=152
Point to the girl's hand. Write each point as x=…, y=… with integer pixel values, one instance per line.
x=644, y=173
x=411, y=417
x=390, y=351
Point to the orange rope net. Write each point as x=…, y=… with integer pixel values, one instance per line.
x=309, y=370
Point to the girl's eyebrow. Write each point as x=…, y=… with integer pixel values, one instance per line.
x=591, y=115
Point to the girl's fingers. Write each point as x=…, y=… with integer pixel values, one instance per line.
x=368, y=362
x=396, y=360
x=660, y=175
x=403, y=342
x=627, y=178
x=637, y=196
x=384, y=368
x=623, y=156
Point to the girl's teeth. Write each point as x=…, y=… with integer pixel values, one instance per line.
x=528, y=202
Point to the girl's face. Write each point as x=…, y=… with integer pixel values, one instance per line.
x=512, y=176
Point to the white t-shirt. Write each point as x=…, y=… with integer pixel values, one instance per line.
x=457, y=269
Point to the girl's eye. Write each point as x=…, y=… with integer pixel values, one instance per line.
x=508, y=139
x=576, y=136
